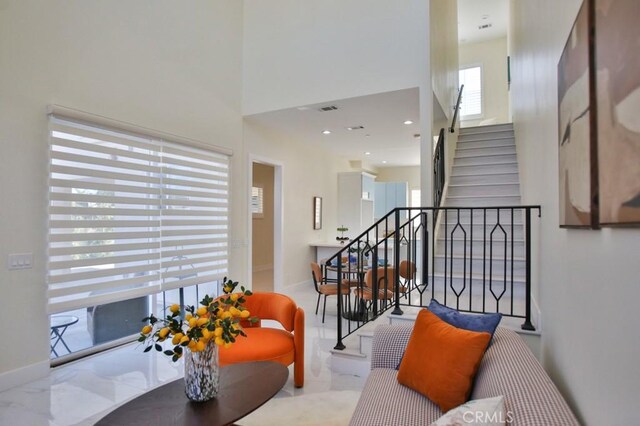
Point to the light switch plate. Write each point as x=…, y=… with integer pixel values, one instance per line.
x=20, y=261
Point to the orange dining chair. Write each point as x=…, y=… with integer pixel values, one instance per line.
x=324, y=289
x=407, y=271
x=365, y=293
x=271, y=344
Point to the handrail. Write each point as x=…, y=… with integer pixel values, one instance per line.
x=474, y=259
x=452, y=129
x=439, y=170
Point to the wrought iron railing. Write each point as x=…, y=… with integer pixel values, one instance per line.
x=439, y=170
x=456, y=109
x=474, y=259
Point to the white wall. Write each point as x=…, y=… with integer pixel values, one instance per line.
x=589, y=280
x=307, y=171
x=299, y=52
x=410, y=174
x=156, y=63
x=492, y=56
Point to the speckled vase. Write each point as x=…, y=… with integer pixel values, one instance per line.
x=202, y=373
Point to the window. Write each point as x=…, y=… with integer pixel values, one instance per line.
x=471, y=106
x=257, y=201
x=131, y=215
x=415, y=198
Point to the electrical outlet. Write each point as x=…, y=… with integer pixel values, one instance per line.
x=20, y=261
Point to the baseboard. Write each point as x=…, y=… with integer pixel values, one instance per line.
x=261, y=268
x=20, y=376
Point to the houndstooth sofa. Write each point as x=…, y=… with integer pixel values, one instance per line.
x=508, y=368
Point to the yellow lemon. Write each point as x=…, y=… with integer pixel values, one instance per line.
x=192, y=344
x=227, y=314
x=201, y=311
x=234, y=311
x=206, y=333
x=219, y=341
x=217, y=332
x=174, y=308
x=200, y=346
x=202, y=321
x=163, y=333
x=235, y=297
x=188, y=317
x=245, y=314
x=146, y=329
x=184, y=339
x=227, y=345
x=193, y=322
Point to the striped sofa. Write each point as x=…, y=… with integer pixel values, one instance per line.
x=508, y=368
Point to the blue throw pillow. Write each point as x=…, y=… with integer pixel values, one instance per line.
x=471, y=322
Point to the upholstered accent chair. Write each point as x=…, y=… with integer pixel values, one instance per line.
x=268, y=343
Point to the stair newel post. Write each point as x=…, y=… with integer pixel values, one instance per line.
x=527, y=325
x=339, y=345
x=396, y=261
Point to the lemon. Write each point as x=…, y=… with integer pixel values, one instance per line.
x=245, y=314
x=146, y=329
x=199, y=346
x=184, y=339
x=235, y=297
x=192, y=344
x=217, y=332
x=234, y=311
x=201, y=311
x=188, y=316
x=174, y=308
x=163, y=333
x=226, y=315
x=219, y=341
x=206, y=333
x=202, y=321
x=193, y=322
x=227, y=345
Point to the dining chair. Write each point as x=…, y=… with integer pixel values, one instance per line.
x=325, y=289
x=407, y=271
x=365, y=292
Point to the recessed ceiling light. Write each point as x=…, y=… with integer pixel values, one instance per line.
x=355, y=128
x=326, y=132
x=408, y=122
x=367, y=153
x=384, y=161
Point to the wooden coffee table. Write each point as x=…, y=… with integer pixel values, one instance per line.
x=243, y=388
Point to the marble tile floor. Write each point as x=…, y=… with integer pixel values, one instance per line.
x=82, y=392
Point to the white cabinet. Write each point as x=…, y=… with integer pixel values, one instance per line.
x=388, y=196
x=355, y=202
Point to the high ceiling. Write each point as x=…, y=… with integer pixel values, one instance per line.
x=475, y=13
x=385, y=136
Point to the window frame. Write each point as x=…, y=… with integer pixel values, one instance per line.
x=482, y=91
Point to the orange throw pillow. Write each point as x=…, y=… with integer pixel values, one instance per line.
x=441, y=360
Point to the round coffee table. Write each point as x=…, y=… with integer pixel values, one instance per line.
x=243, y=388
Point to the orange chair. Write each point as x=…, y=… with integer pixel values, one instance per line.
x=324, y=289
x=407, y=271
x=271, y=344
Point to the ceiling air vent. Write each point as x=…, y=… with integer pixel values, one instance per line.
x=484, y=26
x=355, y=128
x=328, y=108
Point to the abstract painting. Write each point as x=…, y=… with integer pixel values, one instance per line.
x=617, y=44
x=576, y=125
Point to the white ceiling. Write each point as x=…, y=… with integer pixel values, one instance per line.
x=473, y=13
x=385, y=135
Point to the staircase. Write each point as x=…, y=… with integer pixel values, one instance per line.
x=484, y=174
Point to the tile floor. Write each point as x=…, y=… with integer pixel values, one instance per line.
x=81, y=392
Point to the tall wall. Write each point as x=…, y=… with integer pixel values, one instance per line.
x=492, y=56
x=307, y=171
x=299, y=52
x=156, y=63
x=589, y=285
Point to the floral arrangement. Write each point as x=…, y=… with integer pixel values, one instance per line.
x=215, y=321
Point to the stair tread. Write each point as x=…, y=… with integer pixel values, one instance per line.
x=486, y=147
x=460, y=197
x=460, y=185
x=483, y=174
x=498, y=138
x=487, y=164
x=484, y=155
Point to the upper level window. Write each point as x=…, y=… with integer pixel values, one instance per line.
x=471, y=106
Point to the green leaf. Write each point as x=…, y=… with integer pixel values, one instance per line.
x=141, y=339
x=175, y=358
x=158, y=347
x=148, y=348
x=168, y=352
x=178, y=349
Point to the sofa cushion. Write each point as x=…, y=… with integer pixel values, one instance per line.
x=261, y=344
x=441, y=360
x=472, y=322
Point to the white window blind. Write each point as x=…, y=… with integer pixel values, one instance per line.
x=131, y=215
x=257, y=201
x=471, y=106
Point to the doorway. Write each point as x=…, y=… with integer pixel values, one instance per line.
x=263, y=226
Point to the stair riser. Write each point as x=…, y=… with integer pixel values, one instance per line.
x=479, y=232
x=489, y=143
x=459, y=170
x=481, y=217
x=485, y=179
x=487, y=129
x=482, y=202
x=484, y=190
x=466, y=152
x=493, y=159
x=478, y=248
x=485, y=135
x=498, y=265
